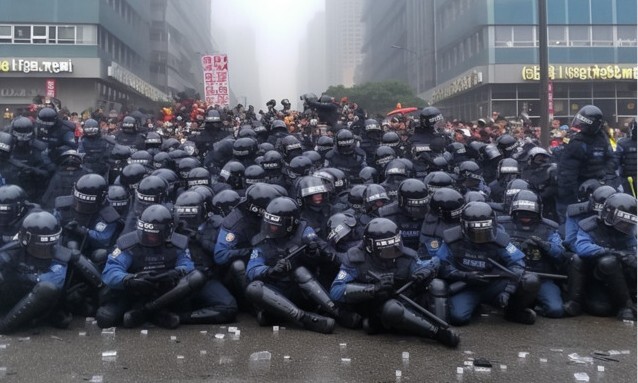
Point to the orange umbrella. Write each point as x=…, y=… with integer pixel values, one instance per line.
x=403, y=110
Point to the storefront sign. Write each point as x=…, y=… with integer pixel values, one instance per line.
x=18, y=92
x=121, y=74
x=458, y=85
x=216, y=89
x=50, y=87
x=28, y=66
x=583, y=72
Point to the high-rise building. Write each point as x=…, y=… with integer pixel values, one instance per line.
x=101, y=53
x=344, y=39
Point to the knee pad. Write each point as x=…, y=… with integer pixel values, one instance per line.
x=99, y=256
x=576, y=263
x=46, y=291
x=530, y=283
x=255, y=290
x=606, y=266
x=392, y=311
x=238, y=266
x=438, y=288
x=195, y=279
x=107, y=317
x=302, y=274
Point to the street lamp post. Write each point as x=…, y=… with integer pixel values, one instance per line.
x=418, y=65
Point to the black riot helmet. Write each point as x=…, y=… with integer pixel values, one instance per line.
x=131, y=175
x=245, y=148
x=537, y=157
x=129, y=124
x=507, y=170
x=213, y=119
x=39, y=234
x=285, y=103
x=120, y=152
x=272, y=161
x=397, y=169
x=185, y=165
x=70, y=158
x=382, y=239
x=118, y=198
x=290, y=147
x=47, y=117
x=312, y=191
x=246, y=131
x=170, y=177
x=22, y=129
x=299, y=166
x=88, y=193
x=257, y=198
x=341, y=181
x=474, y=195
x=412, y=196
x=280, y=218
x=225, y=201
x=383, y=155
x=169, y=144
x=198, y=176
x=317, y=160
x=327, y=178
x=355, y=197
x=278, y=126
x=447, y=204
x=189, y=209
x=619, y=212
x=507, y=145
x=439, y=163
x=589, y=120
x=369, y=175
x=254, y=174
x=586, y=189
x=344, y=142
x=513, y=187
x=152, y=140
x=207, y=193
x=265, y=147
x=163, y=160
x=430, y=117
x=151, y=190
x=490, y=153
x=154, y=226
x=478, y=222
x=599, y=196
x=141, y=157
x=233, y=174
x=340, y=227
x=390, y=139
x=13, y=204
x=437, y=180
x=6, y=145
x=324, y=144
x=374, y=197
x=475, y=148
x=178, y=154
x=91, y=128
x=469, y=173
x=373, y=129
x=526, y=207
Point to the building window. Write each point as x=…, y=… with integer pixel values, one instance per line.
x=602, y=35
x=579, y=36
x=5, y=34
x=22, y=34
x=39, y=34
x=66, y=35
x=625, y=35
x=556, y=35
x=503, y=36
x=524, y=36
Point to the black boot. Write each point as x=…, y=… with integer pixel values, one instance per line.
x=315, y=291
x=317, y=323
x=448, y=337
x=575, y=287
x=186, y=286
x=134, y=318
x=39, y=300
x=396, y=316
x=206, y=315
x=165, y=319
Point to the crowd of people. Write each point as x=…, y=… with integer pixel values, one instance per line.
x=318, y=217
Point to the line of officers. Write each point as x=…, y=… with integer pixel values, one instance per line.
x=363, y=229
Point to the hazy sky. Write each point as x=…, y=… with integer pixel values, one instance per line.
x=279, y=26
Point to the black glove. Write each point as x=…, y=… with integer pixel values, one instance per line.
x=280, y=269
x=384, y=286
x=473, y=277
x=312, y=245
x=628, y=259
x=423, y=276
x=76, y=228
x=503, y=299
x=544, y=246
x=172, y=276
x=139, y=283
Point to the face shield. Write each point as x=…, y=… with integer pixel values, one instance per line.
x=10, y=213
x=84, y=203
x=191, y=216
x=479, y=231
x=387, y=248
x=416, y=208
x=622, y=221
x=152, y=234
x=275, y=226
x=41, y=246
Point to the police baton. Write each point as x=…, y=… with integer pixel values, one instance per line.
x=513, y=274
x=414, y=305
x=295, y=252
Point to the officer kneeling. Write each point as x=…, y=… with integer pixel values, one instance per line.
x=32, y=274
x=368, y=278
x=148, y=274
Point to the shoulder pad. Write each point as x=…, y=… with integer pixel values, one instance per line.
x=589, y=223
x=355, y=255
x=502, y=238
x=504, y=219
x=577, y=208
x=550, y=223
x=62, y=254
x=127, y=240
x=39, y=145
x=390, y=209
x=179, y=240
x=64, y=201
x=109, y=214
x=453, y=234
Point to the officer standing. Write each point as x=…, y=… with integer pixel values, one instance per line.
x=129, y=134
x=58, y=134
x=14, y=207
x=95, y=148
x=345, y=156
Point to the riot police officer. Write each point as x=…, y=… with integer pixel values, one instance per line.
x=58, y=134
x=369, y=276
x=28, y=166
x=345, y=156
x=129, y=134
x=14, y=207
x=70, y=168
x=444, y=212
x=95, y=148
x=408, y=211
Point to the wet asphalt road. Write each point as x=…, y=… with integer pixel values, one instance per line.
x=195, y=354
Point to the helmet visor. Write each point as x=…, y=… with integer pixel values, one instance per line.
x=479, y=231
x=41, y=246
x=85, y=203
x=622, y=221
x=192, y=216
x=275, y=226
x=152, y=234
x=416, y=208
x=386, y=248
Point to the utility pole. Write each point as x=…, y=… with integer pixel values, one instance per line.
x=544, y=72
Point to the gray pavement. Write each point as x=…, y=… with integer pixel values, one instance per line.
x=196, y=354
